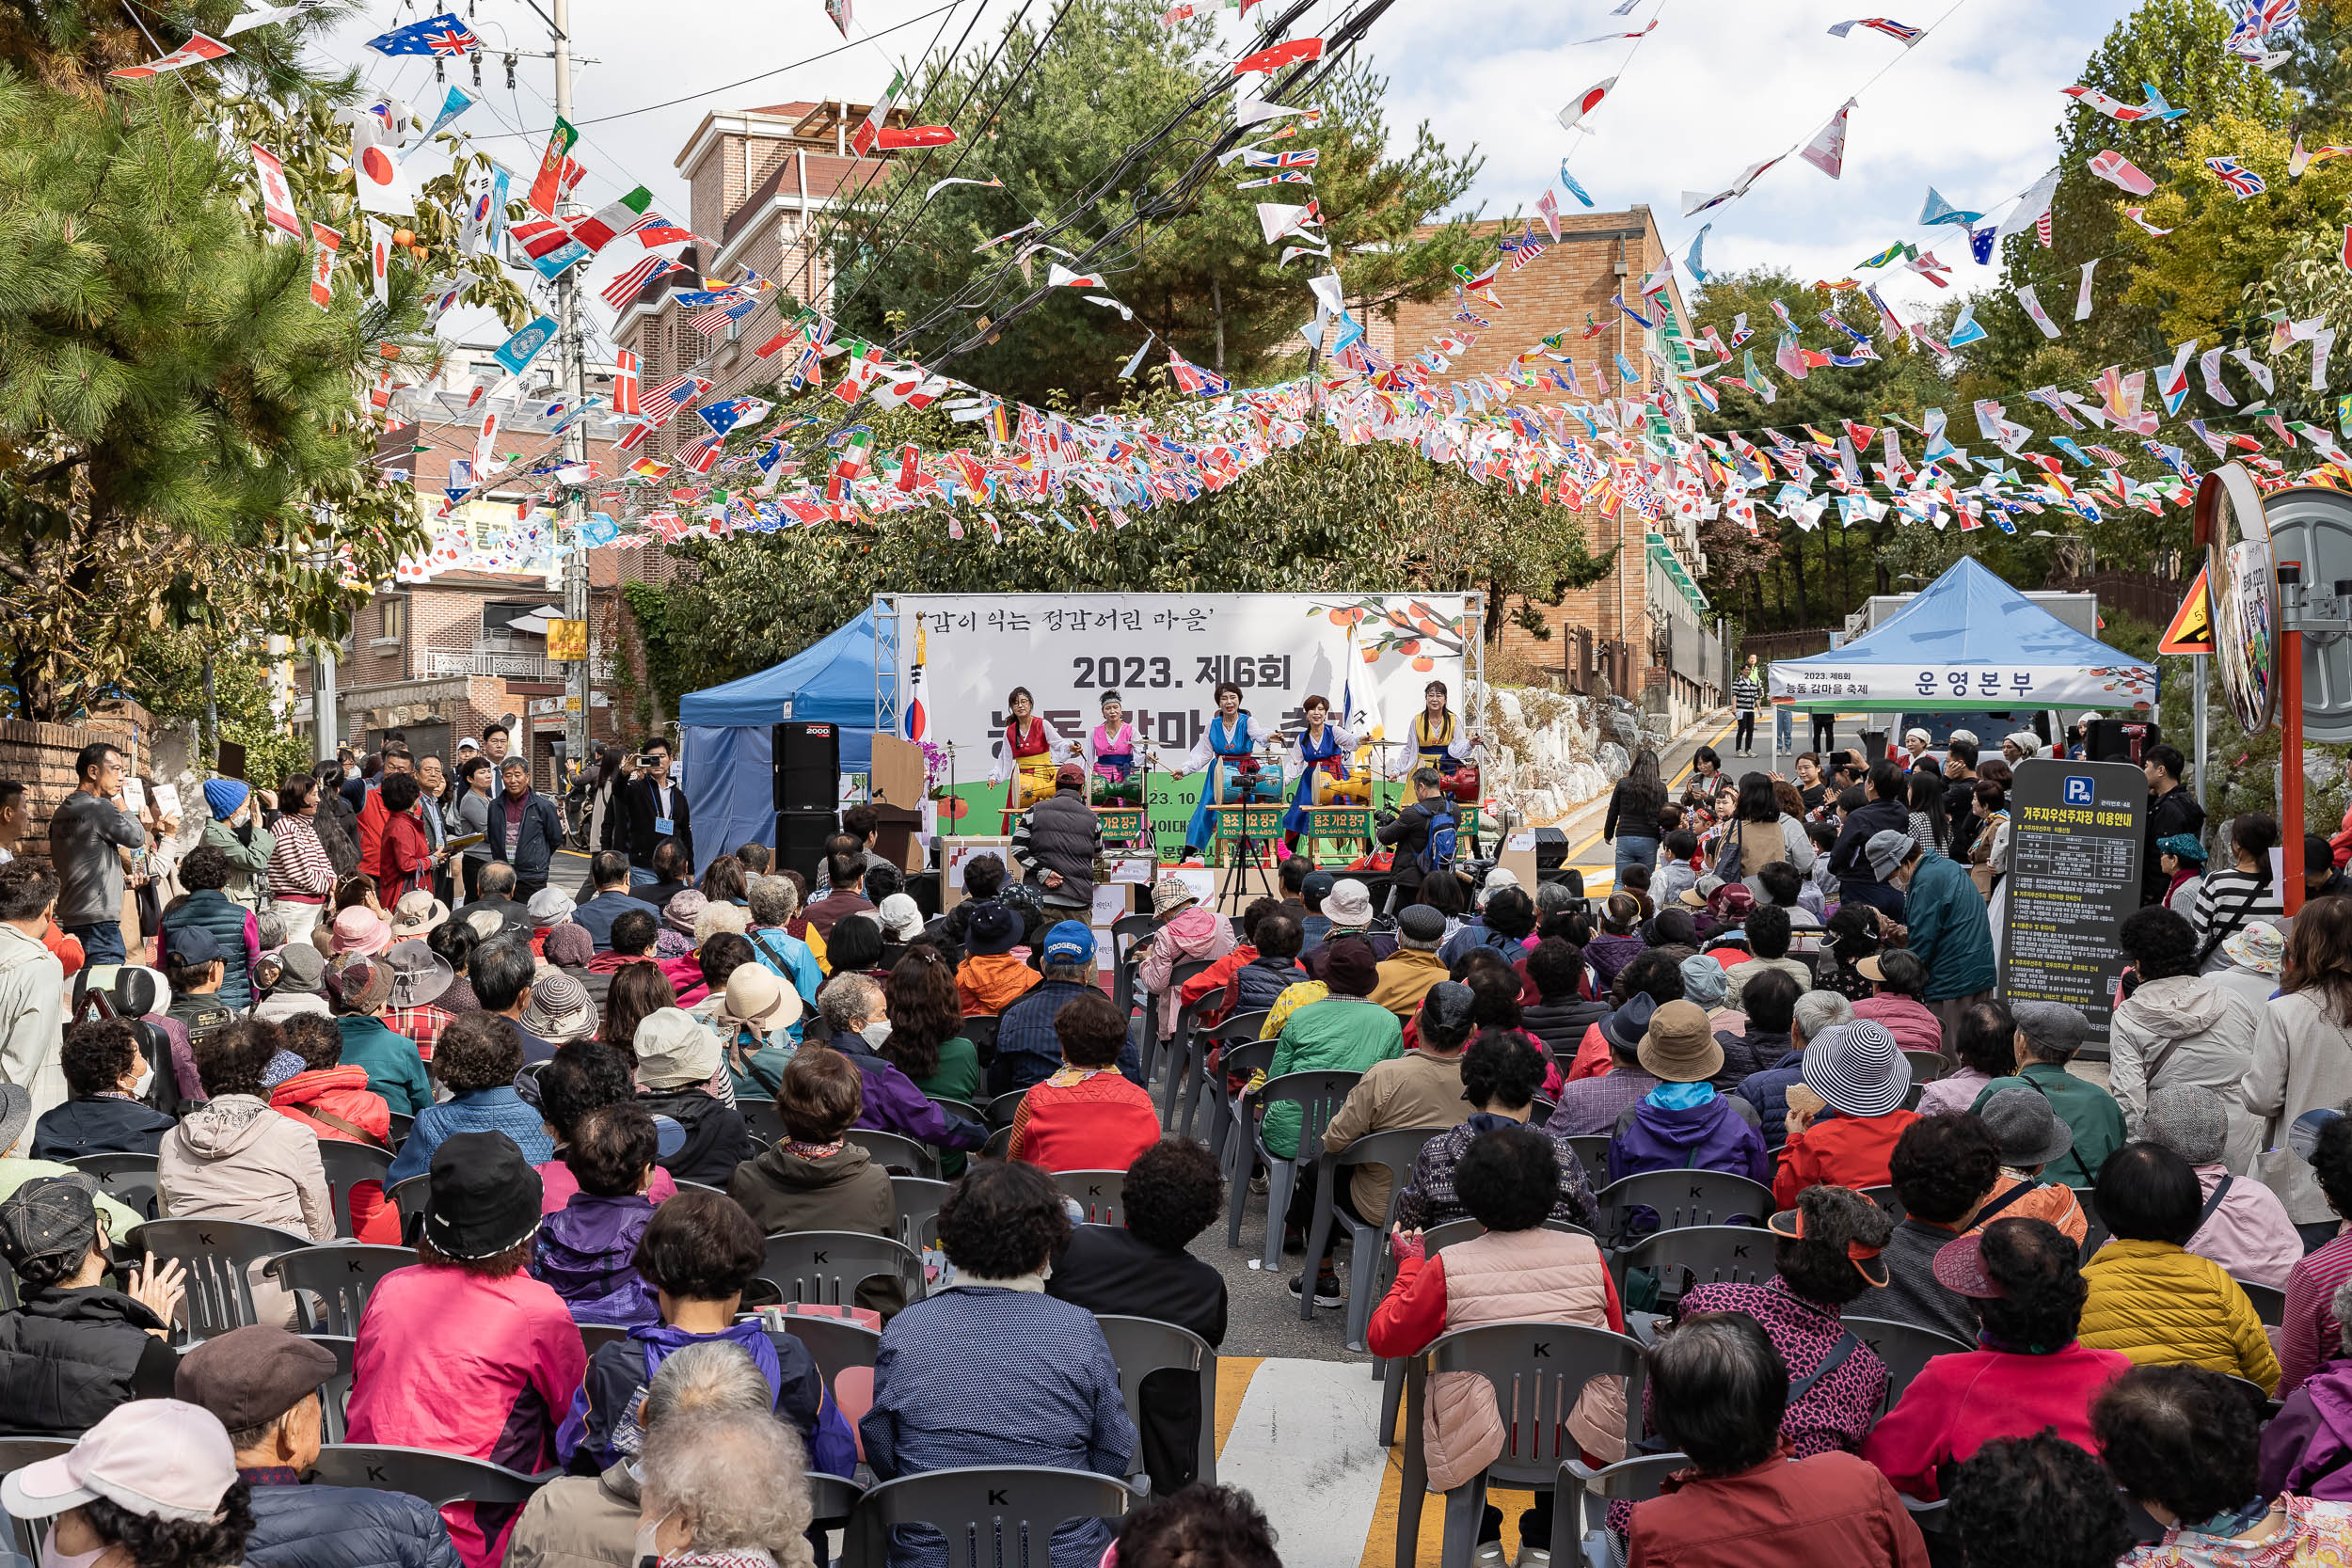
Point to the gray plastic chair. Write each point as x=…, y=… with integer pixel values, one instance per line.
x=1884, y=1197
x=440, y=1479
x=1236, y=1030
x=594, y=1337
x=1904, y=1347
x=1183, y=970
x=335, y=1393
x=964, y=1108
x=832, y=1499
x=330, y=1284
x=1926, y=1065
x=2095, y=1232
x=992, y=1516
x=216, y=1254
x=836, y=1344
x=1002, y=1108
x=1705, y=1254
x=1100, y=1193
x=999, y=1144
x=919, y=1198
x=2271, y=1303
x=1592, y=1152
x=1187, y=1048
x=1142, y=1346
x=1318, y=1097
x=1397, y=1149
x=402, y=1123
x=1244, y=1057
x=890, y=1149
x=1538, y=1371
x=412, y=1196
x=347, y=1165
x=760, y=1119
x=1127, y=931
x=825, y=1267
x=1681, y=1198
x=128, y=1178
x=1576, y=1488
x=15, y=1453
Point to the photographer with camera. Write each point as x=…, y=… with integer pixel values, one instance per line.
x=1422, y=836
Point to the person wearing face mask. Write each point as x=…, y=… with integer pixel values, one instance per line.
x=154, y=1486
x=75, y=1349
x=723, y=1491
x=263, y=1383
x=108, y=1076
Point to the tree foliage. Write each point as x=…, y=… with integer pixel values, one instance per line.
x=1078, y=120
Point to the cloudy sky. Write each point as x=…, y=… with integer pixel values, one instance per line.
x=1971, y=109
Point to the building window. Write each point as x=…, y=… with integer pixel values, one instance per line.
x=393, y=623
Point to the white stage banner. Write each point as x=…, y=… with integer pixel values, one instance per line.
x=961, y=654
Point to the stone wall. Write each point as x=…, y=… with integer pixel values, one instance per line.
x=41, y=757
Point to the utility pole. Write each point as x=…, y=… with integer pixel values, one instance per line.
x=575, y=447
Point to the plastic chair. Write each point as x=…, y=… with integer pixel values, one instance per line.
x=760, y=1119
x=216, y=1254
x=412, y=1196
x=440, y=1479
x=1318, y=1097
x=1926, y=1065
x=594, y=1337
x=1576, y=1487
x=1884, y=1197
x=919, y=1198
x=825, y=1267
x=1904, y=1347
x=1240, y=1029
x=1244, y=1057
x=15, y=1453
x=1397, y=1149
x=992, y=1516
x=1538, y=1371
x=1540, y=1110
x=1127, y=931
x=2271, y=1303
x=1592, y=1152
x=330, y=1284
x=1002, y=1108
x=1142, y=1346
x=1708, y=1254
x=335, y=1393
x=11, y=1296
x=1183, y=970
x=2095, y=1232
x=964, y=1108
x=347, y=1165
x=1683, y=1197
x=892, y=1149
x=836, y=1344
x=999, y=1144
x=832, y=1499
x=400, y=1125
x=1100, y=1193
x=128, y=1178
x=1186, y=1051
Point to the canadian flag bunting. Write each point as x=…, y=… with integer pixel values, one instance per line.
x=278, y=203
x=323, y=265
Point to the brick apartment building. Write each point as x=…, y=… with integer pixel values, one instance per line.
x=1647, y=627
x=762, y=181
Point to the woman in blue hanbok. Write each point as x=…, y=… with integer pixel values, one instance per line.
x=1220, y=749
x=1319, y=760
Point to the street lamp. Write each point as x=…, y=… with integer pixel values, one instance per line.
x=2090, y=551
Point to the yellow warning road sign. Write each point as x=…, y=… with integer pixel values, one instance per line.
x=2191, y=631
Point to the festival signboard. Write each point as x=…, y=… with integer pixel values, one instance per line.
x=1164, y=653
x=2074, y=846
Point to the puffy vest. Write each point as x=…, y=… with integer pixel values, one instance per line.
x=66, y=1359
x=225, y=919
x=1062, y=837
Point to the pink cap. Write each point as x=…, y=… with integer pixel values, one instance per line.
x=361, y=930
x=160, y=1458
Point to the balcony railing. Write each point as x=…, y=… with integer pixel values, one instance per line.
x=529, y=667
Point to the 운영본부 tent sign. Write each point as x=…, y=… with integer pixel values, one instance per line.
x=2074, y=847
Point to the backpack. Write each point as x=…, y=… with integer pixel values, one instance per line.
x=1437, y=854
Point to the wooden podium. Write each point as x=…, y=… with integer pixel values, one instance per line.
x=896, y=780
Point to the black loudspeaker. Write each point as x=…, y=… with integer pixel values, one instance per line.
x=2121, y=740
x=801, y=840
x=1552, y=849
x=808, y=765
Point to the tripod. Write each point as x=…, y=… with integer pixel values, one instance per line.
x=1248, y=850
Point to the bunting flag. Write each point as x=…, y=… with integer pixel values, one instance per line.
x=1826, y=152
x=1902, y=34
x=2033, y=309
x=625, y=402
x=1268, y=61
x=2242, y=181
x=2139, y=216
x=323, y=264
x=547, y=184
x=1578, y=107
x=625, y=288
x=2299, y=160
x=1059, y=277
x=278, y=203
x=2082, y=294
x=1936, y=209
x=1609, y=37
x=444, y=36
x=1981, y=244
x=868, y=133
x=2115, y=108
x=456, y=101
x=519, y=351
x=939, y=185
x=196, y=51
x=1568, y=184
x=1695, y=202
x=1193, y=381
x=2031, y=207
x=2121, y=172
x=838, y=12
x=1549, y=206
x=380, y=260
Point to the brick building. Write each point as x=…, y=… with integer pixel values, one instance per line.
x=1647, y=627
x=762, y=181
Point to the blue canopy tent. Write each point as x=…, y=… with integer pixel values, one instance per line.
x=730, y=738
x=1967, y=641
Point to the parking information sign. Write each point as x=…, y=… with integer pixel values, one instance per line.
x=2075, y=849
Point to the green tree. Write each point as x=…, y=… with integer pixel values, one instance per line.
x=1204, y=280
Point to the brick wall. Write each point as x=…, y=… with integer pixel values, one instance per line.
x=41, y=757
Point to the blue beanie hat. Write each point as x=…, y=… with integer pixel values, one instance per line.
x=224, y=796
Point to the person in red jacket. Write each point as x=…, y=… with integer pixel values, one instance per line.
x=374, y=813
x=1721, y=1389
x=1857, y=1071
x=405, y=855
x=334, y=1102
x=1087, y=1117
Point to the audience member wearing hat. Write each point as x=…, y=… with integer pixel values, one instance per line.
x=753, y=1017
x=1348, y=908
x=569, y=947
x=2049, y=1035
x=395, y=1069
x=1944, y=917
x=55, y=1234
x=676, y=1057
x=154, y=1486
x=477, y=1063
x=2028, y=1135
x=2181, y=864
x=1345, y=1032
x=1857, y=1070
x=414, y=1008
x=300, y=985
x=466, y=1354
x=559, y=1008
x=2245, y=1228
x=2028, y=1370
x=361, y=932
x=1314, y=889
x=1590, y=1107
x=1028, y=1044
x=235, y=829
x=105, y=1074
x=1684, y=1124
x=263, y=1384
x=418, y=914
x=995, y=970
x=1407, y=974
x=1184, y=929
x=2151, y=1297
x=2256, y=952
x=901, y=919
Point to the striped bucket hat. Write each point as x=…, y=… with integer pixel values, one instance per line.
x=1857, y=1069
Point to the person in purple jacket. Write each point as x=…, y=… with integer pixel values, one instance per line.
x=586, y=1251
x=1684, y=1123
x=850, y=1003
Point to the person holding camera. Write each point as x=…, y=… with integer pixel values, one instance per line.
x=1421, y=835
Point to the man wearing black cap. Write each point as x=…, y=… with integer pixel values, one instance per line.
x=77, y=1349
x=466, y=1353
x=264, y=1384
x=194, y=966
